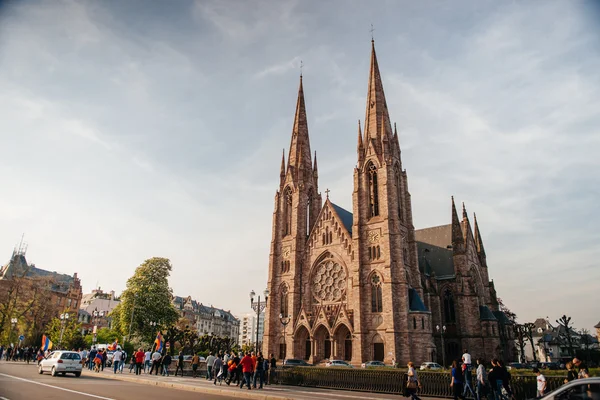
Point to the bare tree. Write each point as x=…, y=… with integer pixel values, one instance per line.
x=565, y=336
x=586, y=342
x=520, y=335
x=528, y=327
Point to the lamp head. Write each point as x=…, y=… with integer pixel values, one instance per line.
x=252, y=294
x=266, y=293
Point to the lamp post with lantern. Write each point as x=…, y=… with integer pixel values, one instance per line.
x=442, y=331
x=285, y=320
x=258, y=307
x=96, y=314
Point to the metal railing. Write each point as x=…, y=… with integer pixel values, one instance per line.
x=393, y=381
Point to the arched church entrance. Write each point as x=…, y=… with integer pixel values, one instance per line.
x=302, y=343
x=322, y=341
x=378, y=348
x=342, y=340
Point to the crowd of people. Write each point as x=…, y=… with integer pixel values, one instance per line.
x=494, y=383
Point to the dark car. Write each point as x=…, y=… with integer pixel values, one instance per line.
x=550, y=365
x=294, y=362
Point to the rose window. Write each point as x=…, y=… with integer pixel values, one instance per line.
x=329, y=282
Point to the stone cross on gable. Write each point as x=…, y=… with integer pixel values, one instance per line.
x=327, y=192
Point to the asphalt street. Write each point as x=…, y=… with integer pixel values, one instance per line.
x=19, y=381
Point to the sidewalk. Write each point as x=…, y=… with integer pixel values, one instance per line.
x=270, y=392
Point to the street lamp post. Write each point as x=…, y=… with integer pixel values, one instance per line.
x=96, y=314
x=285, y=320
x=258, y=307
x=437, y=327
x=13, y=323
x=64, y=318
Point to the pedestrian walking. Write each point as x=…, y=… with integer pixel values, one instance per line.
x=195, y=362
x=218, y=370
x=481, y=389
x=468, y=379
x=247, y=369
x=457, y=381
x=273, y=368
x=541, y=382
x=139, y=361
x=117, y=358
x=91, y=358
x=259, y=372
x=166, y=362
x=179, y=365
x=147, y=361
x=210, y=360
x=571, y=373
x=156, y=356
x=413, y=383
x=583, y=371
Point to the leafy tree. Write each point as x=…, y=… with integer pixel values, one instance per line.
x=69, y=329
x=529, y=334
x=586, y=342
x=104, y=335
x=512, y=317
x=147, y=298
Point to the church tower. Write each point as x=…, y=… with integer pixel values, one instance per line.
x=297, y=204
x=394, y=324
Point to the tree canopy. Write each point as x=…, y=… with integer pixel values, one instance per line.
x=148, y=298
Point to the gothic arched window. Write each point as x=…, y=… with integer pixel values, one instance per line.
x=398, y=177
x=284, y=302
x=449, y=311
x=373, y=191
x=376, y=294
x=287, y=212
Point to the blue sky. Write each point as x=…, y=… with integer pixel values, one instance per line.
x=132, y=129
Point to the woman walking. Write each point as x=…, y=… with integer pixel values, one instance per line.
x=413, y=382
x=457, y=381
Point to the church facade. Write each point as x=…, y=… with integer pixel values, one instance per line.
x=365, y=285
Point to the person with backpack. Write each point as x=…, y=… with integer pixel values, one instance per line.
x=259, y=372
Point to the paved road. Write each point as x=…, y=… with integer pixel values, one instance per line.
x=22, y=382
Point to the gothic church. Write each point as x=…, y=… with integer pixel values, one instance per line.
x=365, y=285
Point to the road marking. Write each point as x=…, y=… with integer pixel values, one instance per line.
x=3, y=398
x=55, y=387
x=292, y=392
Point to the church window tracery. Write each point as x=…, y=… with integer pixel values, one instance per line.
x=287, y=212
x=449, y=310
x=373, y=190
x=376, y=294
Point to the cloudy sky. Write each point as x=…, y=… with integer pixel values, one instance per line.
x=132, y=129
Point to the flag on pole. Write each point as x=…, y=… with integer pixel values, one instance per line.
x=113, y=346
x=46, y=343
x=159, y=342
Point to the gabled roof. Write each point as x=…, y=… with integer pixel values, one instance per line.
x=436, y=260
x=597, y=325
x=485, y=314
x=440, y=236
x=346, y=217
x=414, y=301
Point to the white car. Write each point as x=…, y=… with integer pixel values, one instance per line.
x=430, y=366
x=588, y=388
x=61, y=362
x=338, y=363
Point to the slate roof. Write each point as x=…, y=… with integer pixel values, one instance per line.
x=437, y=260
x=485, y=314
x=18, y=264
x=345, y=215
x=414, y=301
x=440, y=236
x=202, y=309
x=502, y=318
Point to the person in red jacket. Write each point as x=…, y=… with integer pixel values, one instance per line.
x=139, y=361
x=247, y=369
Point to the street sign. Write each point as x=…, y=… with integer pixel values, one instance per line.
x=21, y=338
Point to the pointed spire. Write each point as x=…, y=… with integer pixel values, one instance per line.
x=300, y=146
x=479, y=242
x=458, y=242
x=315, y=171
x=282, y=172
x=466, y=225
x=465, y=216
x=360, y=149
x=377, y=120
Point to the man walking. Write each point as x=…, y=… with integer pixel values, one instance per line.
x=166, y=361
x=247, y=369
x=117, y=358
x=259, y=366
x=179, y=365
x=210, y=361
x=93, y=353
x=147, y=361
x=155, y=362
x=466, y=359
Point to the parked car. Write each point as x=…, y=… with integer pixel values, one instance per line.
x=516, y=365
x=294, y=362
x=549, y=365
x=430, y=366
x=338, y=363
x=588, y=388
x=61, y=362
x=372, y=364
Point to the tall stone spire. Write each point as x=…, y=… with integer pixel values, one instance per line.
x=377, y=119
x=315, y=170
x=458, y=241
x=300, y=154
x=282, y=171
x=479, y=243
x=360, y=149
